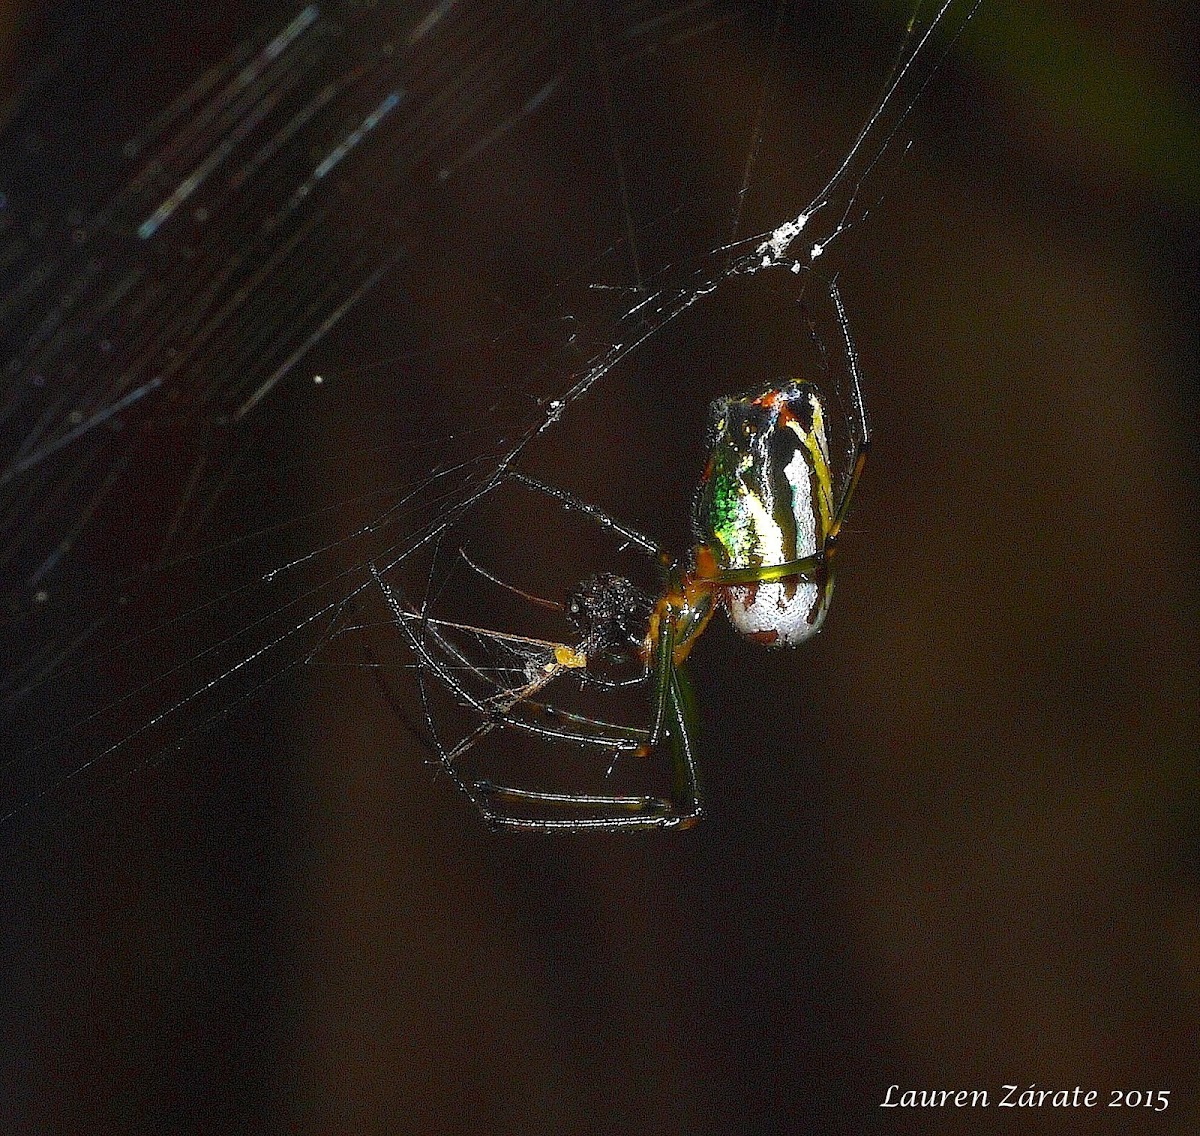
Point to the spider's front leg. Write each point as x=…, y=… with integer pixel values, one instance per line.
x=573, y=504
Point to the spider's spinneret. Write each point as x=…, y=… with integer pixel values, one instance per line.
x=766, y=497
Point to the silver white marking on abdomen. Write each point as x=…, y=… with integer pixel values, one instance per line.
x=789, y=610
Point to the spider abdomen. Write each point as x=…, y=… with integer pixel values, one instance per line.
x=766, y=499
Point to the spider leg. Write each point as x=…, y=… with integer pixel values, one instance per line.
x=674, y=715
x=440, y=658
x=424, y=637
x=807, y=566
x=624, y=811
x=863, y=445
x=634, y=812
x=522, y=712
x=553, y=605
x=616, y=683
x=683, y=732
x=561, y=725
x=636, y=804
x=576, y=505
x=664, y=672
x=613, y=811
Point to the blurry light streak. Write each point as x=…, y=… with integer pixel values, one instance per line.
x=97, y=419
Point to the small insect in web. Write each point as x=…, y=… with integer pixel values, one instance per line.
x=767, y=515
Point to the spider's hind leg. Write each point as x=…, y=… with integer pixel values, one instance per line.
x=862, y=424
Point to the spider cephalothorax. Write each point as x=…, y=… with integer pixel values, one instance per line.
x=610, y=613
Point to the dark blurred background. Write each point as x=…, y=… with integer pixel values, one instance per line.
x=953, y=843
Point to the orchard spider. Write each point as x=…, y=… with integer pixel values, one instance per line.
x=766, y=520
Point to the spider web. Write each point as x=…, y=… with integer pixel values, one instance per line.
x=277, y=328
